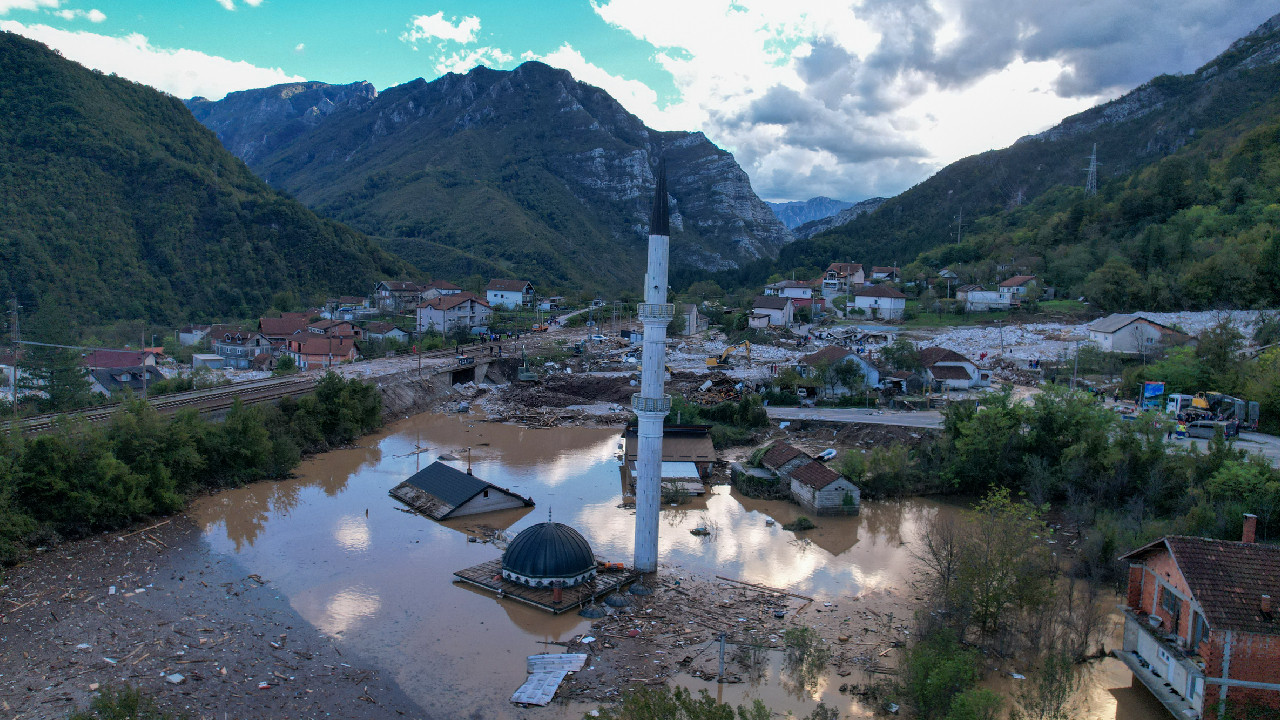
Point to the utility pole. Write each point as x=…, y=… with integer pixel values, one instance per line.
x=143, y=342
x=960, y=225
x=1075, y=368
x=1091, y=180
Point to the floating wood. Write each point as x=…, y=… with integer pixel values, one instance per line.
x=758, y=586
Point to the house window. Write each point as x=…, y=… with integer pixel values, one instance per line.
x=1172, y=605
x=1199, y=631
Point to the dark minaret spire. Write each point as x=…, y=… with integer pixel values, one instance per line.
x=660, y=220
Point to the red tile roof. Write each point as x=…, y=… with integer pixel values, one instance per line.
x=282, y=326
x=313, y=344
x=114, y=359
x=932, y=355
x=844, y=268
x=883, y=269
x=815, y=475
x=1018, y=281
x=949, y=372
x=1227, y=578
x=503, y=285
x=780, y=454
x=440, y=285
x=883, y=291
x=448, y=302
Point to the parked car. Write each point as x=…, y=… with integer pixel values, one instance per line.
x=597, y=338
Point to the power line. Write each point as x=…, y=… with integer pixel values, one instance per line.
x=1091, y=181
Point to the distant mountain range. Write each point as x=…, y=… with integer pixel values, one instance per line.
x=525, y=173
x=847, y=215
x=117, y=204
x=1232, y=93
x=798, y=212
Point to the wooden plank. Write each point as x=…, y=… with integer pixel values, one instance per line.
x=765, y=587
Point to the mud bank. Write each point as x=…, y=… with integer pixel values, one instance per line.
x=158, y=605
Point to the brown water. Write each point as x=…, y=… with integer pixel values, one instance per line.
x=379, y=579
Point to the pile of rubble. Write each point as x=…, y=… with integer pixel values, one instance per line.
x=676, y=629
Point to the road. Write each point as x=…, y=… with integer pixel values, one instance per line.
x=1251, y=442
x=905, y=418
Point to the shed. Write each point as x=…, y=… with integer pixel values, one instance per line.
x=440, y=491
x=206, y=360
x=822, y=491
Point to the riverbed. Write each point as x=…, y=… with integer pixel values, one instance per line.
x=379, y=580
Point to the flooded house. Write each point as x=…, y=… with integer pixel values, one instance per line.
x=814, y=486
x=440, y=491
x=687, y=456
x=1201, y=629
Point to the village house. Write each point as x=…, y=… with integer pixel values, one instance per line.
x=347, y=307
x=694, y=321
x=278, y=330
x=384, y=331
x=947, y=273
x=1133, y=334
x=780, y=311
x=885, y=274
x=207, y=361
x=905, y=382
x=189, y=335
x=336, y=329
x=789, y=288
x=118, y=359
x=396, y=296
x=833, y=355
x=1201, y=629
x=881, y=302
x=978, y=300
x=440, y=491
x=949, y=370
x=509, y=294
x=238, y=348
x=317, y=351
x=111, y=381
x=1017, y=287
x=441, y=287
x=460, y=310
x=687, y=456
x=842, y=278
x=814, y=486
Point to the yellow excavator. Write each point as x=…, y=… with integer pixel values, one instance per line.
x=722, y=360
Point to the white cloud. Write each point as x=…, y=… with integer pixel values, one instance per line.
x=179, y=72
x=300, y=47
x=428, y=27
x=7, y=5
x=94, y=16
x=870, y=96
x=463, y=61
x=231, y=4
x=634, y=95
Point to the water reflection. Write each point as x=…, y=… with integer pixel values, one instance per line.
x=354, y=565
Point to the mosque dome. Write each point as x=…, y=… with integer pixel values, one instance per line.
x=546, y=553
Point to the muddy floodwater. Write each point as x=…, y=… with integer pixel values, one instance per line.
x=379, y=580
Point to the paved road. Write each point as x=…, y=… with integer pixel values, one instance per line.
x=905, y=418
x=1250, y=442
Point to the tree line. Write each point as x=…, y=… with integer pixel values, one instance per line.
x=79, y=480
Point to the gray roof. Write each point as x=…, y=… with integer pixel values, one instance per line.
x=1112, y=322
x=770, y=302
x=548, y=550
x=450, y=487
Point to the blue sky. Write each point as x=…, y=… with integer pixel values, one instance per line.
x=814, y=97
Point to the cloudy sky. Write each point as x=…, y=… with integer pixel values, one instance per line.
x=813, y=97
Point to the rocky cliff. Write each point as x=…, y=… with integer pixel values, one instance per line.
x=797, y=213
x=525, y=172
x=809, y=229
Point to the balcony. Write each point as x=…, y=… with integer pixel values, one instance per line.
x=651, y=405
x=656, y=311
x=1175, y=679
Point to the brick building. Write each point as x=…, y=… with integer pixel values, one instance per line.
x=1201, y=630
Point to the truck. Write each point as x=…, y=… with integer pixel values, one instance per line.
x=1213, y=406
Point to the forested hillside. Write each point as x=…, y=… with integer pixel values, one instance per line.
x=117, y=204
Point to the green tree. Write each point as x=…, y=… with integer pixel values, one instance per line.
x=850, y=375
x=285, y=366
x=901, y=354
x=937, y=670
x=1111, y=287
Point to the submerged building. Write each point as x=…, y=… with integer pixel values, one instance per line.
x=549, y=554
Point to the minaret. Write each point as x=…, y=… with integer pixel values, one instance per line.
x=651, y=405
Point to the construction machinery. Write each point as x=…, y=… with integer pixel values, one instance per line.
x=1214, y=406
x=722, y=360
x=526, y=373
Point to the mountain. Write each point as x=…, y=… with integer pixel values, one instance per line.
x=797, y=213
x=253, y=124
x=523, y=173
x=823, y=224
x=117, y=204
x=1226, y=97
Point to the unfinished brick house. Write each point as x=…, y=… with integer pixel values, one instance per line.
x=1201, y=630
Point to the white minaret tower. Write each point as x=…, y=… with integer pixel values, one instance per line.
x=651, y=405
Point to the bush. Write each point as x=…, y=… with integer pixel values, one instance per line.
x=122, y=703
x=800, y=523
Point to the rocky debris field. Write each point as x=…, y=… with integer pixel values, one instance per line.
x=675, y=630
x=151, y=608
x=1046, y=341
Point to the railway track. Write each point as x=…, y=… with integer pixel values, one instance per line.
x=222, y=397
